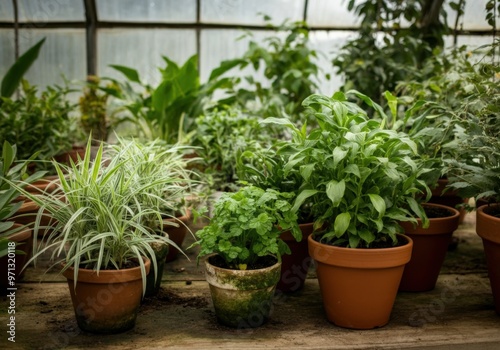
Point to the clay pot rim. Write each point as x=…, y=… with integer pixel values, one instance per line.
x=242, y=272
x=23, y=234
x=306, y=229
x=183, y=218
x=367, y=258
x=106, y=276
x=450, y=223
x=485, y=222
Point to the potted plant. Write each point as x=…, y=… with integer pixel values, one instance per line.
x=100, y=242
x=477, y=170
x=242, y=241
x=158, y=175
x=265, y=168
x=361, y=179
x=13, y=235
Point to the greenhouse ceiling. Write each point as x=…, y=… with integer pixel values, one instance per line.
x=85, y=37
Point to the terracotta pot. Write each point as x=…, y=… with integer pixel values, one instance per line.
x=153, y=285
x=176, y=234
x=294, y=266
x=242, y=299
x=108, y=302
x=488, y=228
x=73, y=154
x=429, y=249
x=449, y=198
x=27, y=214
x=24, y=242
x=47, y=184
x=359, y=286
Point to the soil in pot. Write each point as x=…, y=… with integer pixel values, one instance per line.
x=430, y=246
x=242, y=298
x=23, y=240
x=295, y=266
x=176, y=234
x=108, y=302
x=488, y=228
x=359, y=286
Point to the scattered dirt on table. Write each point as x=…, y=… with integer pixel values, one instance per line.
x=167, y=297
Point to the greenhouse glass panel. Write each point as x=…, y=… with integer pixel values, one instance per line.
x=473, y=18
x=219, y=45
x=147, y=11
x=61, y=57
x=250, y=12
x=327, y=13
x=327, y=45
x=7, y=54
x=6, y=11
x=142, y=49
x=51, y=11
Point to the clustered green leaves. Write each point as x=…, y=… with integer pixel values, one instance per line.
x=360, y=178
x=247, y=225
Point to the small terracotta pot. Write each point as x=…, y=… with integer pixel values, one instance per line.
x=294, y=266
x=108, y=302
x=429, y=249
x=73, y=154
x=24, y=242
x=242, y=298
x=176, y=234
x=359, y=286
x=488, y=228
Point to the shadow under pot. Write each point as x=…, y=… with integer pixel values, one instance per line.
x=430, y=246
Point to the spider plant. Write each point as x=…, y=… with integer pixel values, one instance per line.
x=95, y=226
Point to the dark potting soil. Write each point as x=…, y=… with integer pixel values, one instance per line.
x=374, y=245
x=493, y=211
x=261, y=263
x=434, y=212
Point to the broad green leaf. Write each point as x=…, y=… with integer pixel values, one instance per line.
x=366, y=235
x=341, y=223
x=224, y=67
x=306, y=171
x=378, y=203
x=335, y=191
x=130, y=73
x=302, y=197
x=338, y=155
x=13, y=77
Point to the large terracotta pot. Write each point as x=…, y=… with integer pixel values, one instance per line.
x=294, y=266
x=242, y=298
x=176, y=234
x=359, y=286
x=108, y=302
x=488, y=228
x=429, y=249
x=23, y=239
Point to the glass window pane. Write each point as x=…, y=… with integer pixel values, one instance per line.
x=7, y=53
x=51, y=11
x=6, y=11
x=62, y=56
x=142, y=49
x=147, y=11
x=473, y=18
x=328, y=13
x=249, y=12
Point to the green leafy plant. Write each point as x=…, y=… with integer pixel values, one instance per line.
x=38, y=124
x=246, y=225
x=168, y=110
x=11, y=171
x=13, y=77
x=476, y=172
x=157, y=173
x=360, y=178
x=94, y=225
x=221, y=136
x=289, y=66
